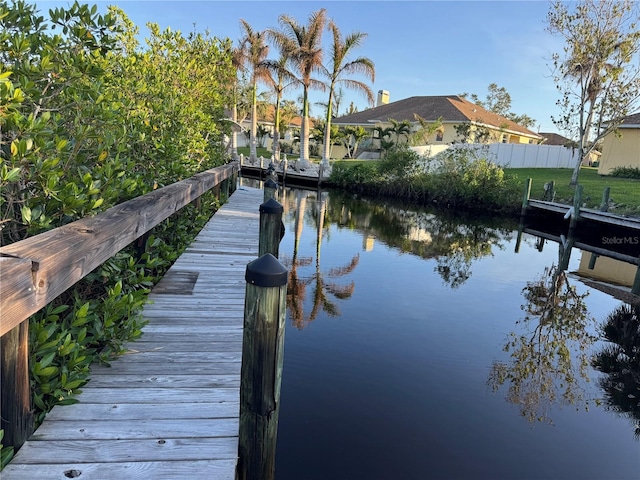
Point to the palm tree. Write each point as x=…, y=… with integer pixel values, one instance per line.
x=303, y=45
x=253, y=53
x=279, y=78
x=339, y=68
x=354, y=135
x=400, y=128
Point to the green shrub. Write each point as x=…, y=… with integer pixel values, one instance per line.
x=355, y=176
x=400, y=162
x=626, y=172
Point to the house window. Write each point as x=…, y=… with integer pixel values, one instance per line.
x=439, y=135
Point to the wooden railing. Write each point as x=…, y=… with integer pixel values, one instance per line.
x=35, y=271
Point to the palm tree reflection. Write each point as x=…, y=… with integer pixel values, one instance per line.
x=549, y=359
x=619, y=361
x=323, y=288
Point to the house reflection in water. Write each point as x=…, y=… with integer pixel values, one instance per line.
x=607, y=274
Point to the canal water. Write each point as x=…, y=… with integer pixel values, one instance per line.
x=421, y=346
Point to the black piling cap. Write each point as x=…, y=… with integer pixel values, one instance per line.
x=266, y=271
x=271, y=206
x=270, y=183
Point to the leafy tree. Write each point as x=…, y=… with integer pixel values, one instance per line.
x=468, y=133
x=253, y=53
x=422, y=134
x=598, y=74
x=340, y=67
x=498, y=101
x=303, y=45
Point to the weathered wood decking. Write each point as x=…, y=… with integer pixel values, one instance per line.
x=169, y=408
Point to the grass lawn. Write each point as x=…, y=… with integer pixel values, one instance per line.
x=625, y=193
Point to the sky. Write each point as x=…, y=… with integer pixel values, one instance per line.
x=418, y=47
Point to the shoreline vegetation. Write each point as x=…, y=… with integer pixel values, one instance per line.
x=474, y=184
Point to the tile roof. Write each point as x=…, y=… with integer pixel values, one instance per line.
x=451, y=108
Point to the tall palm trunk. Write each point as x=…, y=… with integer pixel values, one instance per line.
x=304, y=131
x=253, y=151
x=327, y=130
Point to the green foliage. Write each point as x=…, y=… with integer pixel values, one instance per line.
x=400, y=163
x=354, y=177
x=89, y=119
x=6, y=453
x=626, y=172
x=624, y=197
x=466, y=178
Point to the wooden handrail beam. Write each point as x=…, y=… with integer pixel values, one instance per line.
x=36, y=270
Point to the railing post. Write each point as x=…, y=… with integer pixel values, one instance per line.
x=261, y=371
x=234, y=183
x=604, y=206
x=270, y=188
x=577, y=203
x=271, y=228
x=224, y=187
x=15, y=391
x=635, y=289
x=525, y=198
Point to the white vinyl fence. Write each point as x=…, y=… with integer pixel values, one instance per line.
x=516, y=155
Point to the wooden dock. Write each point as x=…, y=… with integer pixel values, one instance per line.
x=169, y=407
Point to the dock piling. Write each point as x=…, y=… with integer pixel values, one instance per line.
x=261, y=372
x=271, y=228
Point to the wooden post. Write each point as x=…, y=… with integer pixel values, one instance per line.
x=577, y=203
x=270, y=189
x=241, y=159
x=284, y=169
x=261, y=371
x=233, y=183
x=604, y=206
x=15, y=392
x=635, y=289
x=224, y=187
x=525, y=198
x=320, y=173
x=271, y=228
x=549, y=191
x=566, y=246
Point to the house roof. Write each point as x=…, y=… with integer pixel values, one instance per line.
x=555, y=139
x=631, y=121
x=451, y=108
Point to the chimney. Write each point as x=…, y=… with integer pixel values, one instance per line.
x=383, y=97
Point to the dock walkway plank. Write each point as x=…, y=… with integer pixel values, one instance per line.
x=169, y=407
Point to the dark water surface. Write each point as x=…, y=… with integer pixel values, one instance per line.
x=419, y=347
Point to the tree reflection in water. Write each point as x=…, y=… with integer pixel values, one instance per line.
x=619, y=361
x=549, y=358
x=323, y=288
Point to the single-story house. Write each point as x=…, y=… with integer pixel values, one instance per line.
x=549, y=138
x=621, y=148
x=457, y=115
